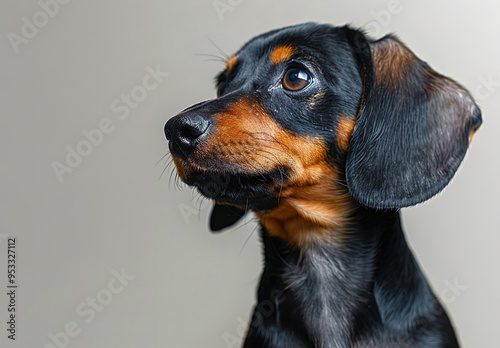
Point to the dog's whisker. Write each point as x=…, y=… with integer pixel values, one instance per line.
x=274, y=148
x=200, y=205
x=224, y=54
x=214, y=60
x=273, y=138
x=271, y=147
x=340, y=182
x=251, y=164
x=277, y=251
x=249, y=236
x=164, y=157
x=177, y=182
x=281, y=186
x=276, y=161
x=162, y=172
x=170, y=162
x=263, y=166
x=170, y=178
x=213, y=57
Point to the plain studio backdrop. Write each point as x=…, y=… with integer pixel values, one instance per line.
x=109, y=253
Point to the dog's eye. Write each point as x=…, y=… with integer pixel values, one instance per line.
x=296, y=79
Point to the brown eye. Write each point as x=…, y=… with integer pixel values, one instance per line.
x=296, y=79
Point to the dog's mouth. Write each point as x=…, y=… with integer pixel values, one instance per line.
x=258, y=192
x=242, y=156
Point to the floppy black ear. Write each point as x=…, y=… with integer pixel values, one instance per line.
x=413, y=130
x=224, y=215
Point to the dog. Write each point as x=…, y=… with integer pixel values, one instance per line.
x=325, y=134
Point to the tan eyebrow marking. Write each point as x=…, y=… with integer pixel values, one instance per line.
x=231, y=62
x=282, y=53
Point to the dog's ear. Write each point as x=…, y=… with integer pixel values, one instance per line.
x=224, y=216
x=413, y=130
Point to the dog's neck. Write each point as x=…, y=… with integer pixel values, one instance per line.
x=315, y=208
x=324, y=295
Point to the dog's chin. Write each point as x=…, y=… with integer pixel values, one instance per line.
x=257, y=192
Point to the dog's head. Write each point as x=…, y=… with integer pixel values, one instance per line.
x=312, y=120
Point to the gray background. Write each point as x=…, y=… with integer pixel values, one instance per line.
x=115, y=211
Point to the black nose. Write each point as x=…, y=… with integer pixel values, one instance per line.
x=185, y=131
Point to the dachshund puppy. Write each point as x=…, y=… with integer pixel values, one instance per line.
x=325, y=134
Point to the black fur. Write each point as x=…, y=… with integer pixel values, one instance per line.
x=409, y=141
x=370, y=294
x=412, y=131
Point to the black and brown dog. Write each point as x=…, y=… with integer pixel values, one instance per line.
x=325, y=134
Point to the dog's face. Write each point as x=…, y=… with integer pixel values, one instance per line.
x=312, y=120
x=283, y=101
